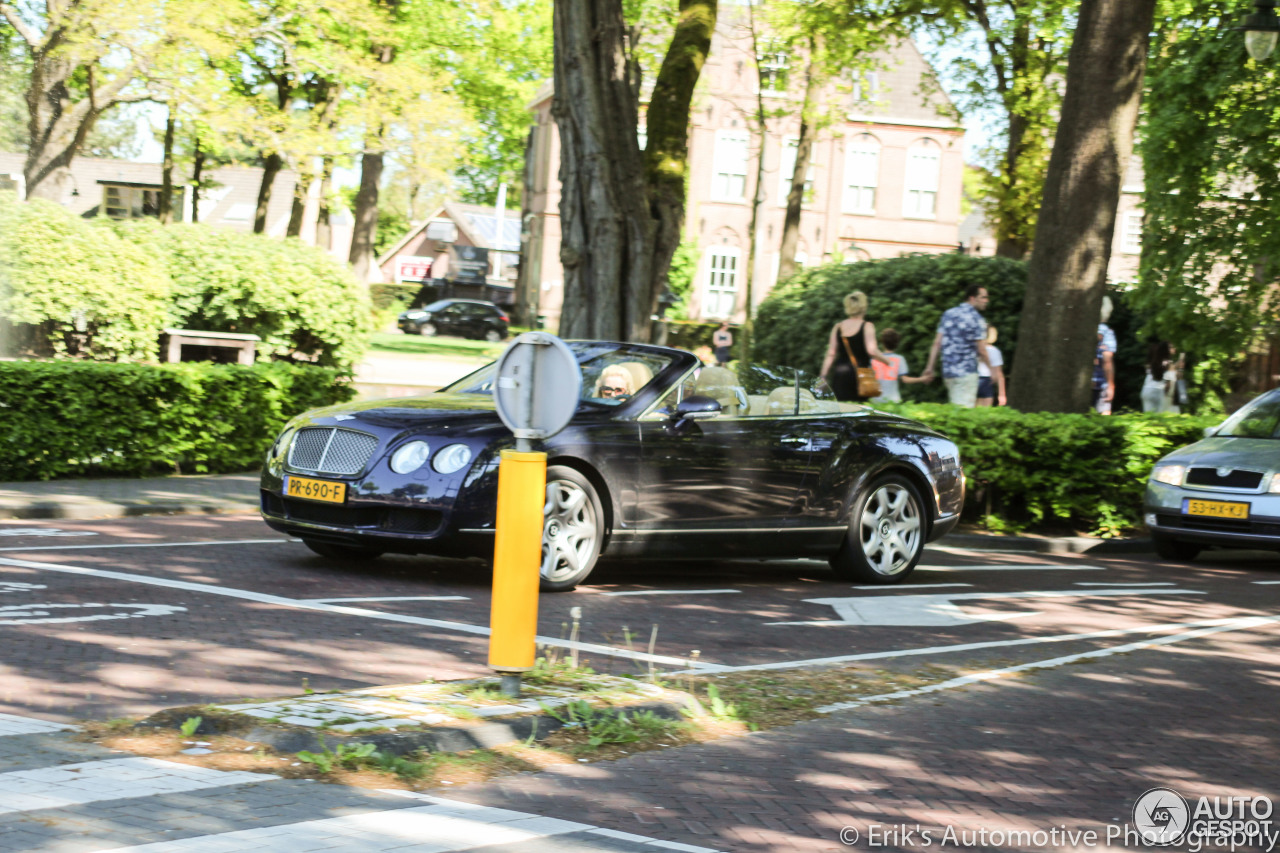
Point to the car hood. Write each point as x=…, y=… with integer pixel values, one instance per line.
x=1222, y=451
x=458, y=410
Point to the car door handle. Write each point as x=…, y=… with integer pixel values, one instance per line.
x=794, y=440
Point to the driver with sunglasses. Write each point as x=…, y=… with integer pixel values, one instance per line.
x=615, y=383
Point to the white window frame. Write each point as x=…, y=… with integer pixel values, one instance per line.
x=866, y=87
x=861, y=174
x=720, y=291
x=729, y=172
x=921, y=180
x=786, y=168
x=774, y=66
x=1131, y=233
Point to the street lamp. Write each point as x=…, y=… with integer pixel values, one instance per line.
x=1261, y=29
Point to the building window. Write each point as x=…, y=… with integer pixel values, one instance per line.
x=866, y=87
x=722, y=281
x=787, y=169
x=861, y=174
x=774, y=65
x=729, y=183
x=1131, y=233
x=924, y=166
x=130, y=202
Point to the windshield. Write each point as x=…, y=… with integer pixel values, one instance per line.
x=611, y=373
x=1259, y=419
x=437, y=305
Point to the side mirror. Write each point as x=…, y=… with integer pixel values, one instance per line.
x=696, y=408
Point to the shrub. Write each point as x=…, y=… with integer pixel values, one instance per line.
x=1085, y=470
x=72, y=289
x=303, y=303
x=61, y=419
x=908, y=294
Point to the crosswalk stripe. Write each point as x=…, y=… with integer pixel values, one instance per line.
x=110, y=779
x=13, y=725
x=439, y=828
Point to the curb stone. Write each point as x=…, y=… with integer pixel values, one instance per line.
x=1057, y=545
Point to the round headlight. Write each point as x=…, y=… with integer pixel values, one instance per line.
x=410, y=457
x=451, y=458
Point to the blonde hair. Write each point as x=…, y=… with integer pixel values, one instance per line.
x=992, y=334
x=616, y=373
x=855, y=304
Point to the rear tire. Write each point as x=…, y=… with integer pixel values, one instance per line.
x=1177, y=550
x=886, y=534
x=573, y=529
x=427, y=330
x=345, y=553
x=493, y=336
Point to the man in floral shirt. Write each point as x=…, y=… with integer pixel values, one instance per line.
x=961, y=340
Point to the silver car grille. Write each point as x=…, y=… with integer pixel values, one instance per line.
x=331, y=451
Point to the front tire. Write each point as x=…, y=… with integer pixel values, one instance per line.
x=573, y=529
x=427, y=330
x=1177, y=550
x=344, y=553
x=886, y=533
x=493, y=336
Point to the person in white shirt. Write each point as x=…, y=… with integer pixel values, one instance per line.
x=991, y=377
x=1159, y=388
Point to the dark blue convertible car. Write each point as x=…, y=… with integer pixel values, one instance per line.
x=664, y=457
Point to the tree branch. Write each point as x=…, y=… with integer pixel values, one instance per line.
x=15, y=20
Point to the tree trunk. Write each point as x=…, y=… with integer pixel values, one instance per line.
x=525, y=310
x=298, y=211
x=365, y=229
x=620, y=210
x=324, y=237
x=271, y=167
x=1068, y=268
x=795, y=195
x=761, y=117
x=166, y=179
x=1011, y=237
x=197, y=175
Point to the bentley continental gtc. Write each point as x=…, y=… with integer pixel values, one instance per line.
x=665, y=457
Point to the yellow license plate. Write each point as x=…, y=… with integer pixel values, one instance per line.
x=1215, y=509
x=315, y=490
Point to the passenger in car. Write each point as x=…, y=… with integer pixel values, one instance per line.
x=615, y=383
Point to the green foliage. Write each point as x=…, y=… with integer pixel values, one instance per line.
x=347, y=754
x=1209, y=146
x=684, y=266
x=720, y=709
x=302, y=302
x=73, y=289
x=606, y=726
x=1084, y=470
x=909, y=294
x=68, y=419
x=189, y=726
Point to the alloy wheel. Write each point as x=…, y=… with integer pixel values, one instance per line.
x=890, y=529
x=569, y=532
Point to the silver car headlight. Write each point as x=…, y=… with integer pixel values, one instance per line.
x=410, y=457
x=451, y=458
x=1170, y=474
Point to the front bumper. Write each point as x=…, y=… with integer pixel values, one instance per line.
x=1164, y=515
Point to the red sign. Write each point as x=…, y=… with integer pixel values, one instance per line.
x=412, y=268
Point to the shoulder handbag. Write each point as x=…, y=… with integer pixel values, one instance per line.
x=868, y=385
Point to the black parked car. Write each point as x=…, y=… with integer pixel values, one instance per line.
x=664, y=457
x=469, y=318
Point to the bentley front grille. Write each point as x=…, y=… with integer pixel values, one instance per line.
x=326, y=450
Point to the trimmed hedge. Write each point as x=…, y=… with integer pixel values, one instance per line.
x=71, y=419
x=1088, y=471
x=908, y=294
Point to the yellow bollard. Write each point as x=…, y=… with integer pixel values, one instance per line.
x=517, y=556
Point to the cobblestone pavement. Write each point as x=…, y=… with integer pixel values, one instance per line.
x=59, y=794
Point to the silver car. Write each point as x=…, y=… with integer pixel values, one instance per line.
x=1223, y=490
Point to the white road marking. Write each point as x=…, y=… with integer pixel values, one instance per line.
x=444, y=826
x=991, y=675
x=913, y=586
x=959, y=647
x=38, y=614
x=152, y=544
x=673, y=592
x=391, y=598
x=109, y=779
x=939, y=610
x=951, y=549
x=1005, y=567
x=1096, y=583
x=43, y=531
x=264, y=598
x=11, y=724
x=1266, y=583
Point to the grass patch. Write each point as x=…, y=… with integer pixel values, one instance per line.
x=439, y=345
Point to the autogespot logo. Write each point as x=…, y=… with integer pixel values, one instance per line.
x=1161, y=816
